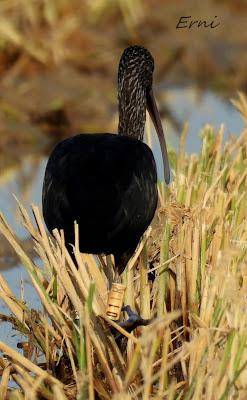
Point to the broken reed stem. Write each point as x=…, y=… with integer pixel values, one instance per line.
x=144, y=285
x=162, y=279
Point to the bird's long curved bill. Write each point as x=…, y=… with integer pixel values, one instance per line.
x=154, y=114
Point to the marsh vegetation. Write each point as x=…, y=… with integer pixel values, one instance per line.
x=196, y=249
x=58, y=66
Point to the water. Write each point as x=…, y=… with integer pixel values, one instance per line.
x=30, y=166
x=25, y=183
x=198, y=109
x=26, y=180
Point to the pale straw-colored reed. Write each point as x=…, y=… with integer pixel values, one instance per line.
x=196, y=346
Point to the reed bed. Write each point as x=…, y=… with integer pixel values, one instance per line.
x=51, y=32
x=196, y=346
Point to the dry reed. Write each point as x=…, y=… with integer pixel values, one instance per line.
x=196, y=347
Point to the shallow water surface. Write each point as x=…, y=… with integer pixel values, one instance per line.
x=25, y=180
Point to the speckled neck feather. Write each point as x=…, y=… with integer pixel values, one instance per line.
x=134, y=79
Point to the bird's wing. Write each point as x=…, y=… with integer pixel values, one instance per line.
x=139, y=196
x=105, y=182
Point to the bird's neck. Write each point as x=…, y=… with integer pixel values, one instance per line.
x=132, y=113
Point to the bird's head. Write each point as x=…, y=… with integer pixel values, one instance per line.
x=135, y=95
x=135, y=70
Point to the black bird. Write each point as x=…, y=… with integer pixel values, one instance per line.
x=108, y=182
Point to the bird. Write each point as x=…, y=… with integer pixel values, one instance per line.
x=107, y=182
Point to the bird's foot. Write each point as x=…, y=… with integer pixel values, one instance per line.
x=131, y=323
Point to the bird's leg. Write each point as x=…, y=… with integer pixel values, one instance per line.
x=117, y=277
x=115, y=299
x=134, y=319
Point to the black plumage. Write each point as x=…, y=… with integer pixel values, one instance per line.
x=106, y=182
